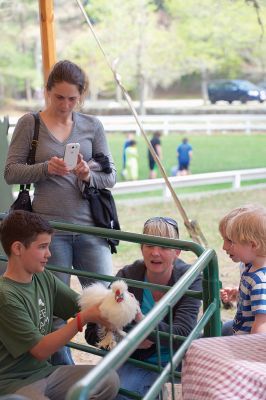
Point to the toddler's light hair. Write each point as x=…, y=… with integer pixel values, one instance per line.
x=249, y=226
x=236, y=211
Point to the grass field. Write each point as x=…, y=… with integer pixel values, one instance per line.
x=219, y=152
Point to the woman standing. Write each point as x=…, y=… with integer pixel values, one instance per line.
x=58, y=190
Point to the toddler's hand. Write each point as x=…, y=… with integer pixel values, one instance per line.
x=228, y=294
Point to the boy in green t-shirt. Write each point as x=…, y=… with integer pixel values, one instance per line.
x=29, y=297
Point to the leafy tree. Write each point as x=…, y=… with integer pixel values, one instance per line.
x=20, y=48
x=132, y=34
x=216, y=34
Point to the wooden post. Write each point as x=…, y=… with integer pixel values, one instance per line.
x=46, y=12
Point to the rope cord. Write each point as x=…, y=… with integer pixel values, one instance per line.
x=192, y=226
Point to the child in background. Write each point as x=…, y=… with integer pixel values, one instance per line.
x=129, y=138
x=132, y=169
x=184, y=156
x=156, y=144
x=244, y=233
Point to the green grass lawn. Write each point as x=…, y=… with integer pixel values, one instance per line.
x=219, y=152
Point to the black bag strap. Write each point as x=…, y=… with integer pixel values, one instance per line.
x=33, y=147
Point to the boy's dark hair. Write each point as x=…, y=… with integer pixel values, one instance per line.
x=22, y=226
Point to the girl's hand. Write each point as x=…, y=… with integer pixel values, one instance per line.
x=82, y=170
x=57, y=166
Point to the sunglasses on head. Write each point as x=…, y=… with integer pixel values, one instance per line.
x=167, y=220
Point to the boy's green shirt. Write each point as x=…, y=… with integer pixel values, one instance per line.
x=26, y=315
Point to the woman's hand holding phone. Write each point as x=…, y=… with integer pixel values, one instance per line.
x=82, y=170
x=71, y=155
x=57, y=166
x=63, y=166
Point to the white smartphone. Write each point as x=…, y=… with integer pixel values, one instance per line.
x=71, y=155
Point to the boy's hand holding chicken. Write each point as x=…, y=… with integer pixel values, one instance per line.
x=116, y=305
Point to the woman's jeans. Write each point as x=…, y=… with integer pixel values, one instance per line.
x=135, y=379
x=139, y=380
x=86, y=253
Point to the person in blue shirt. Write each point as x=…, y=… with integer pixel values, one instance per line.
x=184, y=155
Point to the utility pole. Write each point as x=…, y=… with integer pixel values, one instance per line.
x=46, y=12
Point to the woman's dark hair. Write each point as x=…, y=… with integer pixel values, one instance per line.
x=67, y=71
x=22, y=226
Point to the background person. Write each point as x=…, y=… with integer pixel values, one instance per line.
x=130, y=136
x=57, y=193
x=184, y=155
x=132, y=168
x=156, y=144
x=162, y=266
x=29, y=297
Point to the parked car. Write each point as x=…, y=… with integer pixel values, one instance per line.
x=262, y=85
x=237, y=89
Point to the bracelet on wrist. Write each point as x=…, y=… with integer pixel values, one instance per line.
x=79, y=323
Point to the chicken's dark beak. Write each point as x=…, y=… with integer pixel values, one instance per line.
x=119, y=296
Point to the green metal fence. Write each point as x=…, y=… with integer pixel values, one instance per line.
x=210, y=320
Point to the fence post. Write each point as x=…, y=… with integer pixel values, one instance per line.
x=237, y=181
x=248, y=129
x=166, y=127
x=6, y=197
x=166, y=193
x=208, y=127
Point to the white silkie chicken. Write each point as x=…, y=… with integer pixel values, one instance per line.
x=117, y=305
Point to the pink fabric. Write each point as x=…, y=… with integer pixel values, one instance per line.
x=225, y=368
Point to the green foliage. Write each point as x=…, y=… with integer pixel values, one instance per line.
x=19, y=45
x=216, y=33
x=152, y=42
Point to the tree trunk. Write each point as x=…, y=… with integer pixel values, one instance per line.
x=142, y=92
x=28, y=90
x=204, y=83
x=118, y=94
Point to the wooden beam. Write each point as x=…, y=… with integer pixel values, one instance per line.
x=46, y=12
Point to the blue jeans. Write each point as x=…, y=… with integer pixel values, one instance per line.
x=135, y=379
x=80, y=251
